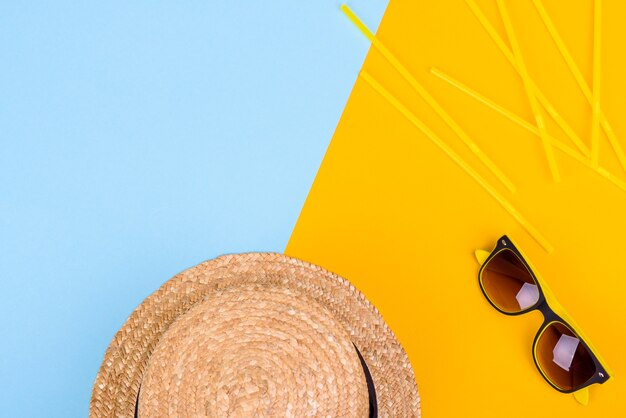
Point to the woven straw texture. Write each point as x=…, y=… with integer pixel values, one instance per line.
x=254, y=335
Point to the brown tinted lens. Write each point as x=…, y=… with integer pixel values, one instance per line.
x=563, y=358
x=508, y=283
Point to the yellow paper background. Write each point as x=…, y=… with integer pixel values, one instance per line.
x=393, y=214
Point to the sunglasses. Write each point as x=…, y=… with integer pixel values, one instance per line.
x=565, y=358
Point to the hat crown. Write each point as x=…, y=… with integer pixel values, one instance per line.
x=247, y=352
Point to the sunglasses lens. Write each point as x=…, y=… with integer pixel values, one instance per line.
x=508, y=283
x=562, y=357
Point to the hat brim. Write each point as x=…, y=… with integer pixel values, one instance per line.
x=117, y=384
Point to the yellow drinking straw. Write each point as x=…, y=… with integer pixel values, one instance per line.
x=580, y=79
x=428, y=98
x=595, y=115
x=541, y=240
x=528, y=126
x=530, y=91
x=540, y=96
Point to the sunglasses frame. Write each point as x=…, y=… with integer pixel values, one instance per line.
x=601, y=375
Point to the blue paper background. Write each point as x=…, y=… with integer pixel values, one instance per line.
x=138, y=139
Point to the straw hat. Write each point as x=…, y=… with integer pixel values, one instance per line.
x=255, y=335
